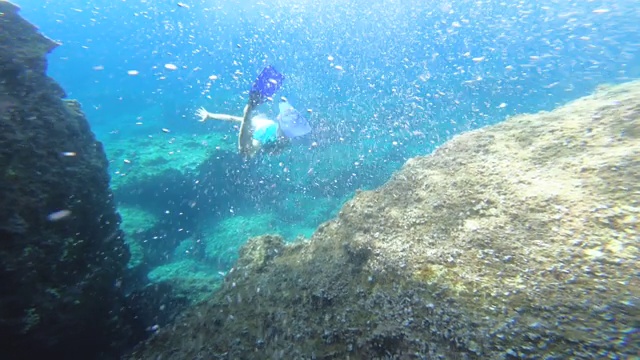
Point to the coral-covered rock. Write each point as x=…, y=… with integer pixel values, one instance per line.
x=515, y=241
x=62, y=255
x=256, y=254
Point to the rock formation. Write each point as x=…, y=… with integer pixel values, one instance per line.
x=62, y=255
x=516, y=241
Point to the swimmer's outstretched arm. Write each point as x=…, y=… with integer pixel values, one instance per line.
x=204, y=115
x=247, y=146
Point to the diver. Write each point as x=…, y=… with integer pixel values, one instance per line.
x=257, y=132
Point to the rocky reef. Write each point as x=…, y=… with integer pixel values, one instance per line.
x=517, y=241
x=62, y=255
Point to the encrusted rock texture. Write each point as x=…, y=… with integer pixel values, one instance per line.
x=517, y=241
x=59, y=274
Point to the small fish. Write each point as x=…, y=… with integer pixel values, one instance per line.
x=58, y=215
x=183, y=5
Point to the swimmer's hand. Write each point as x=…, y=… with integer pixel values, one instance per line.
x=202, y=114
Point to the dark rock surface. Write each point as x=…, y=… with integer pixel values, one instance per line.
x=518, y=241
x=60, y=275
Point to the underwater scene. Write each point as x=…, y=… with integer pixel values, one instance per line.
x=346, y=179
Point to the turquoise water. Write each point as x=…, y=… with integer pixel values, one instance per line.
x=379, y=81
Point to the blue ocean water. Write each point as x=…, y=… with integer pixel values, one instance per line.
x=383, y=81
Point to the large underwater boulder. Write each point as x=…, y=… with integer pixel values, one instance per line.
x=517, y=241
x=62, y=255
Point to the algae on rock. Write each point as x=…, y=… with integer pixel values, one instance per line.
x=519, y=240
x=135, y=223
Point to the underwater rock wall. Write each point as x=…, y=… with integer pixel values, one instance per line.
x=62, y=254
x=517, y=241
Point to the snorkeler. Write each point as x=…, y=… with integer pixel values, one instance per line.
x=257, y=132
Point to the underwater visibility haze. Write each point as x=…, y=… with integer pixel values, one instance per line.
x=320, y=179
